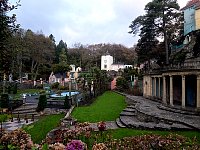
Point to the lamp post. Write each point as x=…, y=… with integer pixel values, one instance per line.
x=70, y=88
x=4, y=83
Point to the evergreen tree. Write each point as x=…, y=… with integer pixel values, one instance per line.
x=165, y=21
x=61, y=45
x=7, y=26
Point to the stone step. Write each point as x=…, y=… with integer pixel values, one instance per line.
x=127, y=113
x=181, y=111
x=131, y=106
x=133, y=122
x=129, y=109
x=26, y=107
x=24, y=111
x=119, y=123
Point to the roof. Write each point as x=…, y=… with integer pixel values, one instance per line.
x=59, y=75
x=198, y=6
x=191, y=3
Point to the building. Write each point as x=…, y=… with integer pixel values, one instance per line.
x=65, y=77
x=57, y=77
x=191, y=16
x=178, y=84
x=107, y=64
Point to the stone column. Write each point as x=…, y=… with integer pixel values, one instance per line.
x=155, y=87
x=171, y=90
x=159, y=87
x=183, y=91
x=152, y=86
x=164, y=99
x=198, y=92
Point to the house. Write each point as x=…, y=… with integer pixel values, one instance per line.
x=65, y=77
x=191, y=16
x=58, y=77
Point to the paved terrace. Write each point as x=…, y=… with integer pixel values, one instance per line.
x=160, y=112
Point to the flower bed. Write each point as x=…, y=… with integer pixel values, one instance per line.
x=82, y=137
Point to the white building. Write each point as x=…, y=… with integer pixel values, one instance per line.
x=107, y=64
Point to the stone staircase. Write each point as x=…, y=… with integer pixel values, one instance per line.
x=144, y=114
x=28, y=109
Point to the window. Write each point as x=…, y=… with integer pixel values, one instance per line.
x=105, y=61
x=105, y=66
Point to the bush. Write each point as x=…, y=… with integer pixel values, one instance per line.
x=67, y=103
x=122, y=84
x=15, y=88
x=12, y=88
x=42, y=103
x=4, y=103
x=55, y=85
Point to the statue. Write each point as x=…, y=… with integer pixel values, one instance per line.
x=10, y=77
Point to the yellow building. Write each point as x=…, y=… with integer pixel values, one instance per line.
x=197, y=17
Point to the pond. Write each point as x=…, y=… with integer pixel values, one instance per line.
x=63, y=94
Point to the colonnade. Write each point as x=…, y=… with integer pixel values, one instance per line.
x=163, y=89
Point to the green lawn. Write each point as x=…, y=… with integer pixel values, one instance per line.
x=38, y=130
x=106, y=107
x=126, y=132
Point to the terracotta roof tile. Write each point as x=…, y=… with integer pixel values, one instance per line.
x=191, y=3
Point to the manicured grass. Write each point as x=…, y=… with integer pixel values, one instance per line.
x=28, y=91
x=38, y=130
x=106, y=107
x=125, y=132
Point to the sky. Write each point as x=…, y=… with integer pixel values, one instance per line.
x=83, y=21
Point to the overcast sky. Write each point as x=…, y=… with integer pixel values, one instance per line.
x=83, y=21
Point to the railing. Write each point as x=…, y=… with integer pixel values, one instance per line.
x=187, y=65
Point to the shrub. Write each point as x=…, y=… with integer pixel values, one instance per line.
x=12, y=88
x=15, y=88
x=121, y=84
x=55, y=85
x=42, y=103
x=4, y=103
x=67, y=103
x=17, y=139
x=76, y=145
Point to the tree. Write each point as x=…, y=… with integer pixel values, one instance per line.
x=61, y=45
x=166, y=16
x=19, y=52
x=40, y=50
x=63, y=57
x=7, y=26
x=147, y=41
